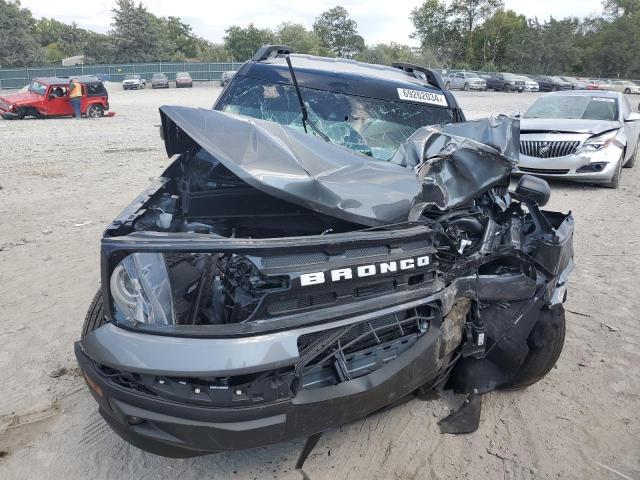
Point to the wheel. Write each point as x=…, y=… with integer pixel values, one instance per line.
x=554, y=88
x=627, y=90
x=615, y=181
x=447, y=85
x=632, y=161
x=466, y=87
x=95, y=111
x=95, y=315
x=506, y=88
x=545, y=344
x=20, y=114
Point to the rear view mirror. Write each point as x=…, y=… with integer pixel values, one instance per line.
x=532, y=189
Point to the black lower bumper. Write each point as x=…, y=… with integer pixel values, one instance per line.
x=179, y=430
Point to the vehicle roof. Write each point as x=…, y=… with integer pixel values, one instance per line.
x=337, y=75
x=585, y=93
x=65, y=80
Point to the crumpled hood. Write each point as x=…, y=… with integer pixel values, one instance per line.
x=330, y=179
x=21, y=98
x=565, y=125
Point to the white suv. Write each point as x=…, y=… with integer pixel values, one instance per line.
x=132, y=82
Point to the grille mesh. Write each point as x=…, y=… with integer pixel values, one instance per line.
x=542, y=149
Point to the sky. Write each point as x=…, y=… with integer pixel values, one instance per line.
x=378, y=20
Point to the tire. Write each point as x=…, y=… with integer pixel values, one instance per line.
x=632, y=160
x=615, y=181
x=95, y=315
x=545, y=345
x=554, y=88
x=447, y=86
x=466, y=87
x=506, y=88
x=627, y=90
x=95, y=111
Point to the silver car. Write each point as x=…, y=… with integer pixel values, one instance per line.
x=585, y=136
x=529, y=85
x=466, y=81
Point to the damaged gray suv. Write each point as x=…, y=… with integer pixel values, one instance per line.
x=330, y=238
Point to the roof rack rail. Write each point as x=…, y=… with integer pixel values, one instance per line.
x=432, y=77
x=269, y=51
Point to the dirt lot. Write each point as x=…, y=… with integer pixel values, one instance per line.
x=62, y=181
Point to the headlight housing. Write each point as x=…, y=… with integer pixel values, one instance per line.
x=141, y=290
x=599, y=142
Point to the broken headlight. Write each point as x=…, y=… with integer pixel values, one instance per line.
x=598, y=142
x=141, y=289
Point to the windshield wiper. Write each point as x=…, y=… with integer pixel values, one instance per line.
x=303, y=108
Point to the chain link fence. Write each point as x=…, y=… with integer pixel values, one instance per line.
x=205, y=72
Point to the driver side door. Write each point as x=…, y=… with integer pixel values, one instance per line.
x=57, y=103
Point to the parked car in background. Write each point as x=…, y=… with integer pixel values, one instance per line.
x=529, y=85
x=505, y=82
x=580, y=135
x=49, y=97
x=597, y=85
x=552, y=84
x=576, y=84
x=465, y=81
x=133, y=82
x=183, y=79
x=226, y=77
x=624, y=86
x=159, y=80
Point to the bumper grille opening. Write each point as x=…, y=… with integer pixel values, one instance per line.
x=543, y=171
x=342, y=354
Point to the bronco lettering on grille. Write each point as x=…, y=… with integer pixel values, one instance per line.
x=348, y=273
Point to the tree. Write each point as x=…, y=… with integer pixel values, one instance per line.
x=296, y=36
x=468, y=14
x=437, y=32
x=18, y=39
x=338, y=33
x=136, y=33
x=495, y=38
x=242, y=43
x=620, y=8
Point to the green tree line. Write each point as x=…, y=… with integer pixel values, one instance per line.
x=469, y=34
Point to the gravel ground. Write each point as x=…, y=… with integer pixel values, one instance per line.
x=61, y=181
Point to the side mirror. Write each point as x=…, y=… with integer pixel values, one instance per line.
x=515, y=114
x=52, y=96
x=532, y=189
x=633, y=116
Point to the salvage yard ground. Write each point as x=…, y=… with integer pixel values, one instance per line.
x=62, y=181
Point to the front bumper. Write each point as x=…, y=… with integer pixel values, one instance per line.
x=572, y=167
x=8, y=115
x=183, y=430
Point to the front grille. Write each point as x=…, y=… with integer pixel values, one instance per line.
x=546, y=149
x=543, y=171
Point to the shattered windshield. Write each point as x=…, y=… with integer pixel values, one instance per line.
x=580, y=107
x=370, y=126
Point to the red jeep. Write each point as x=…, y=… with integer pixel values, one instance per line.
x=49, y=97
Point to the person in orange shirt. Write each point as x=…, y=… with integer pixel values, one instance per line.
x=75, y=96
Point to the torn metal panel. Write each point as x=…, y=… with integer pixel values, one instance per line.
x=336, y=181
x=456, y=163
x=294, y=166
